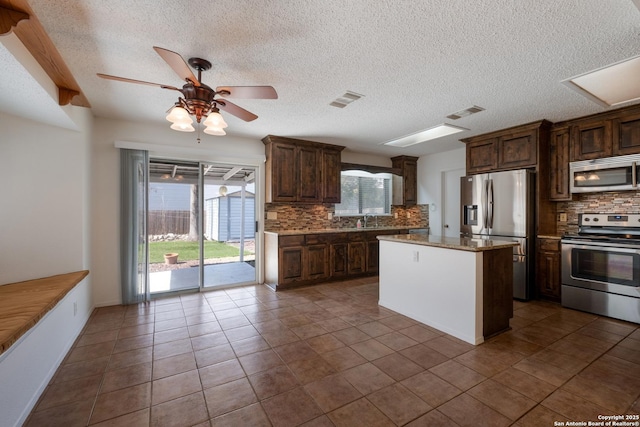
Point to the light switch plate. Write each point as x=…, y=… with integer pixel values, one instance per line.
x=562, y=217
x=272, y=215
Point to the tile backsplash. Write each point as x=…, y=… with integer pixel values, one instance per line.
x=316, y=217
x=624, y=202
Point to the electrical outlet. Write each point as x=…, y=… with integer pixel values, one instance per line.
x=330, y=216
x=272, y=215
x=562, y=217
x=395, y=215
x=408, y=215
x=416, y=256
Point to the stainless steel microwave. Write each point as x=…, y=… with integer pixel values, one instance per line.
x=607, y=174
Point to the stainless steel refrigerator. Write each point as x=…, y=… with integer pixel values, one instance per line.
x=500, y=206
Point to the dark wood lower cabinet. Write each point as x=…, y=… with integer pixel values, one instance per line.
x=357, y=258
x=338, y=253
x=548, y=274
x=306, y=259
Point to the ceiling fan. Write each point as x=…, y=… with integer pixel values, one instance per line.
x=200, y=100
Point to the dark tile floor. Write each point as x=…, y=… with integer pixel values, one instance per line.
x=329, y=355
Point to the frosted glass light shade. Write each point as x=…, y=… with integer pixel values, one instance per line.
x=183, y=127
x=215, y=119
x=214, y=131
x=179, y=114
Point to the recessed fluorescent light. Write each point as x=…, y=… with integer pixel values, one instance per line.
x=425, y=135
x=611, y=85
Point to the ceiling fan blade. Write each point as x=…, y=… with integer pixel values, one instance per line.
x=178, y=64
x=239, y=112
x=248, y=92
x=123, y=79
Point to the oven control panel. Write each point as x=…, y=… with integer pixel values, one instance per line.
x=609, y=220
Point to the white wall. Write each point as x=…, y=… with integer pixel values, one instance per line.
x=430, y=170
x=44, y=199
x=44, y=229
x=106, y=185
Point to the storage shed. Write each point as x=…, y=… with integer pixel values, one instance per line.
x=223, y=217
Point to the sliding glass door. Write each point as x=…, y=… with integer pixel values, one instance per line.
x=229, y=234
x=173, y=226
x=201, y=225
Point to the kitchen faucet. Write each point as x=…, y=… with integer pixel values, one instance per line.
x=366, y=219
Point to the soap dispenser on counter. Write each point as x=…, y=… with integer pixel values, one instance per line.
x=359, y=224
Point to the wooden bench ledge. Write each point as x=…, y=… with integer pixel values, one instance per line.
x=23, y=304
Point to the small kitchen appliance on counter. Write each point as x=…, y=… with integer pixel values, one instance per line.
x=601, y=266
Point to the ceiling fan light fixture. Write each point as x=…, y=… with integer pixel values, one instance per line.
x=179, y=114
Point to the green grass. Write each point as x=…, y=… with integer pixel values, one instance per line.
x=189, y=250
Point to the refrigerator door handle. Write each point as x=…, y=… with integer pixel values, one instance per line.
x=485, y=210
x=490, y=203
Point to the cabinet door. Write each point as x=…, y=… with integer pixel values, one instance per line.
x=373, y=256
x=409, y=167
x=357, y=257
x=548, y=270
x=283, y=172
x=291, y=264
x=591, y=140
x=309, y=165
x=410, y=183
x=331, y=176
x=518, y=150
x=339, y=259
x=559, y=165
x=482, y=156
x=317, y=262
x=626, y=135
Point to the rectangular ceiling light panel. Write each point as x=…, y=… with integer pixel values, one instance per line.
x=425, y=135
x=346, y=99
x=611, y=85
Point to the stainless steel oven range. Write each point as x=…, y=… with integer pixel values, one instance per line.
x=601, y=266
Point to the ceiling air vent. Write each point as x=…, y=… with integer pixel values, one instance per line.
x=346, y=99
x=466, y=112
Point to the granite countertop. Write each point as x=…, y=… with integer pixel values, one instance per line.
x=457, y=243
x=338, y=230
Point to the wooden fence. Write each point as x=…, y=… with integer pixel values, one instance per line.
x=164, y=222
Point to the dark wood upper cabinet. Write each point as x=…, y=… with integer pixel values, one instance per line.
x=409, y=168
x=514, y=148
x=331, y=175
x=482, y=155
x=591, y=140
x=559, y=164
x=518, y=150
x=309, y=168
x=626, y=134
x=299, y=171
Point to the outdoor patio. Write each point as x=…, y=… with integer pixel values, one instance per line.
x=214, y=275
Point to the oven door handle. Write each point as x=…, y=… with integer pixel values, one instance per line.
x=619, y=247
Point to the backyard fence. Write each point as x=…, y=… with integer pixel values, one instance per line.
x=164, y=222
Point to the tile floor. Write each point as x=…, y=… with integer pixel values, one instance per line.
x=329, y=355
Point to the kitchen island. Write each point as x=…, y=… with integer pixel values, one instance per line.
x=461, y=286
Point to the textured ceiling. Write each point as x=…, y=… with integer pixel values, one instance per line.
x=415, y=61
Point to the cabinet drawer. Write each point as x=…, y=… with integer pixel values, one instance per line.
x=358, y=236
x=291, y=240
x=549, y=245
x=314, y=239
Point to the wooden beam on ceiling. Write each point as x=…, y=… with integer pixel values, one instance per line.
x=33, y=36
